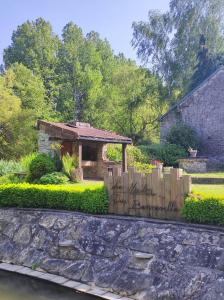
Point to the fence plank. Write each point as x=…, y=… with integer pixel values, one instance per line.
x=156, y=195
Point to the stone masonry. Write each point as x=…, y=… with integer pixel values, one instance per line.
x=142, y=259
x=203, y=110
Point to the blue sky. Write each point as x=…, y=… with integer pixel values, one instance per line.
x=111, y=18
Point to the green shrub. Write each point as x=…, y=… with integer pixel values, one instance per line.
x=11, y=178
x=10, y=166
x=42, y=164
x=200, y=209
x=25, y=161
x=89, y=199
x=143, y=168
x=54, y=178
x=184, y=136
x=114, y=153
x=168, y=154
x=69, y=163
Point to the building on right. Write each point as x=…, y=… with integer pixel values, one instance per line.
x=203, y=110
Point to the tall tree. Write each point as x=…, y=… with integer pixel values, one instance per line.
x=35, y=46
x=29, y=88
x=169, y=41
x=206, y=63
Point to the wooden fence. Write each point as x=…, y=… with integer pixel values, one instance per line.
x=156, y=195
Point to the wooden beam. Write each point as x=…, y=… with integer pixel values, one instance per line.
x=124, y=158
x=80, y=154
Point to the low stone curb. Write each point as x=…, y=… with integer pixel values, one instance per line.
x=62, y=281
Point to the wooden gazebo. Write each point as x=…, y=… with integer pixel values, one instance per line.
x=88, y=143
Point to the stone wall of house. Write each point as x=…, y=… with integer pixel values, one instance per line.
x=203, y=111
x=135, y=257
x=44, y=143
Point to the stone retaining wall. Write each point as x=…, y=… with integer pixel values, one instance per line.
x=137, y=258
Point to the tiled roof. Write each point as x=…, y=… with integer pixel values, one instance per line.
x=84, y=133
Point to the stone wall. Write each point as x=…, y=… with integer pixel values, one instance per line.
x=203, y=110
x=44, y=143
x=143, y=259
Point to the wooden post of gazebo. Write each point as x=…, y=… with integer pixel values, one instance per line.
x=80, y=154
x=124, y=158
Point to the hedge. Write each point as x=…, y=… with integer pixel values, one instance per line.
x=207, y=210
x=89, y=199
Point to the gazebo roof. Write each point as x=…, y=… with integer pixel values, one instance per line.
x=81, y=131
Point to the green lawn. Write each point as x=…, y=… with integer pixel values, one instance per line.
x=208, y=175
x=209, y=190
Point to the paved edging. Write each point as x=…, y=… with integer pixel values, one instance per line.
x=62, y=281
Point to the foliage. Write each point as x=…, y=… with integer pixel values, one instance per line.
x=11, y=178
x=10, y=104
x=35, y=46
x=18, y=136
x=168, y=154
x=90, y=198
x=54, y=178
x=26, y=160
x=206, y=63
x=114, y=153
x=169, y=41
x=69, y=163
x=200, y=209
x=79, y=76
x=143, y=167
x=42, y=164
x=29, y=88
x=184, y=136
x=10, y=166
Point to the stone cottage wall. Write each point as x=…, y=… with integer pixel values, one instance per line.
x=134, y=257
x=44, y=143
x=204, y=112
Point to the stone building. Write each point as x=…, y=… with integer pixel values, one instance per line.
x=203, y=110
x=86, y=142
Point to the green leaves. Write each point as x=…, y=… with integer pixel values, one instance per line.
x=169, y=41
x=89, y=198
x=202, y=209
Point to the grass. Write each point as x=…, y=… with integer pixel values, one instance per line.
x=209, y=190
x=208, y=175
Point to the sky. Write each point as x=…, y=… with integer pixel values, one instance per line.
x=111, y=18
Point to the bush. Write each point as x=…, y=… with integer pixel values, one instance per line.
x=11, y=178
x=184, y=136
x=89, y=199
x=25, y=161
x=168, y=154
x=9, y=166
x=143, y=168
x=42, y=164
x=69, y=163
x=114, y=153
x=54, y=178
x=200, y=209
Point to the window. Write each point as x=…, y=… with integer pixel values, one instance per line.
x=89, y=153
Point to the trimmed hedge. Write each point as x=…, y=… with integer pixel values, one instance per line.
x=207, y=210
x=89, y=199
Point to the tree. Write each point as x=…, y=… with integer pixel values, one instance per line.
x=169, y=41
x=17, y=126
x=135, y=103
x=28, y=88
x=35, y=46
x=206, y=65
